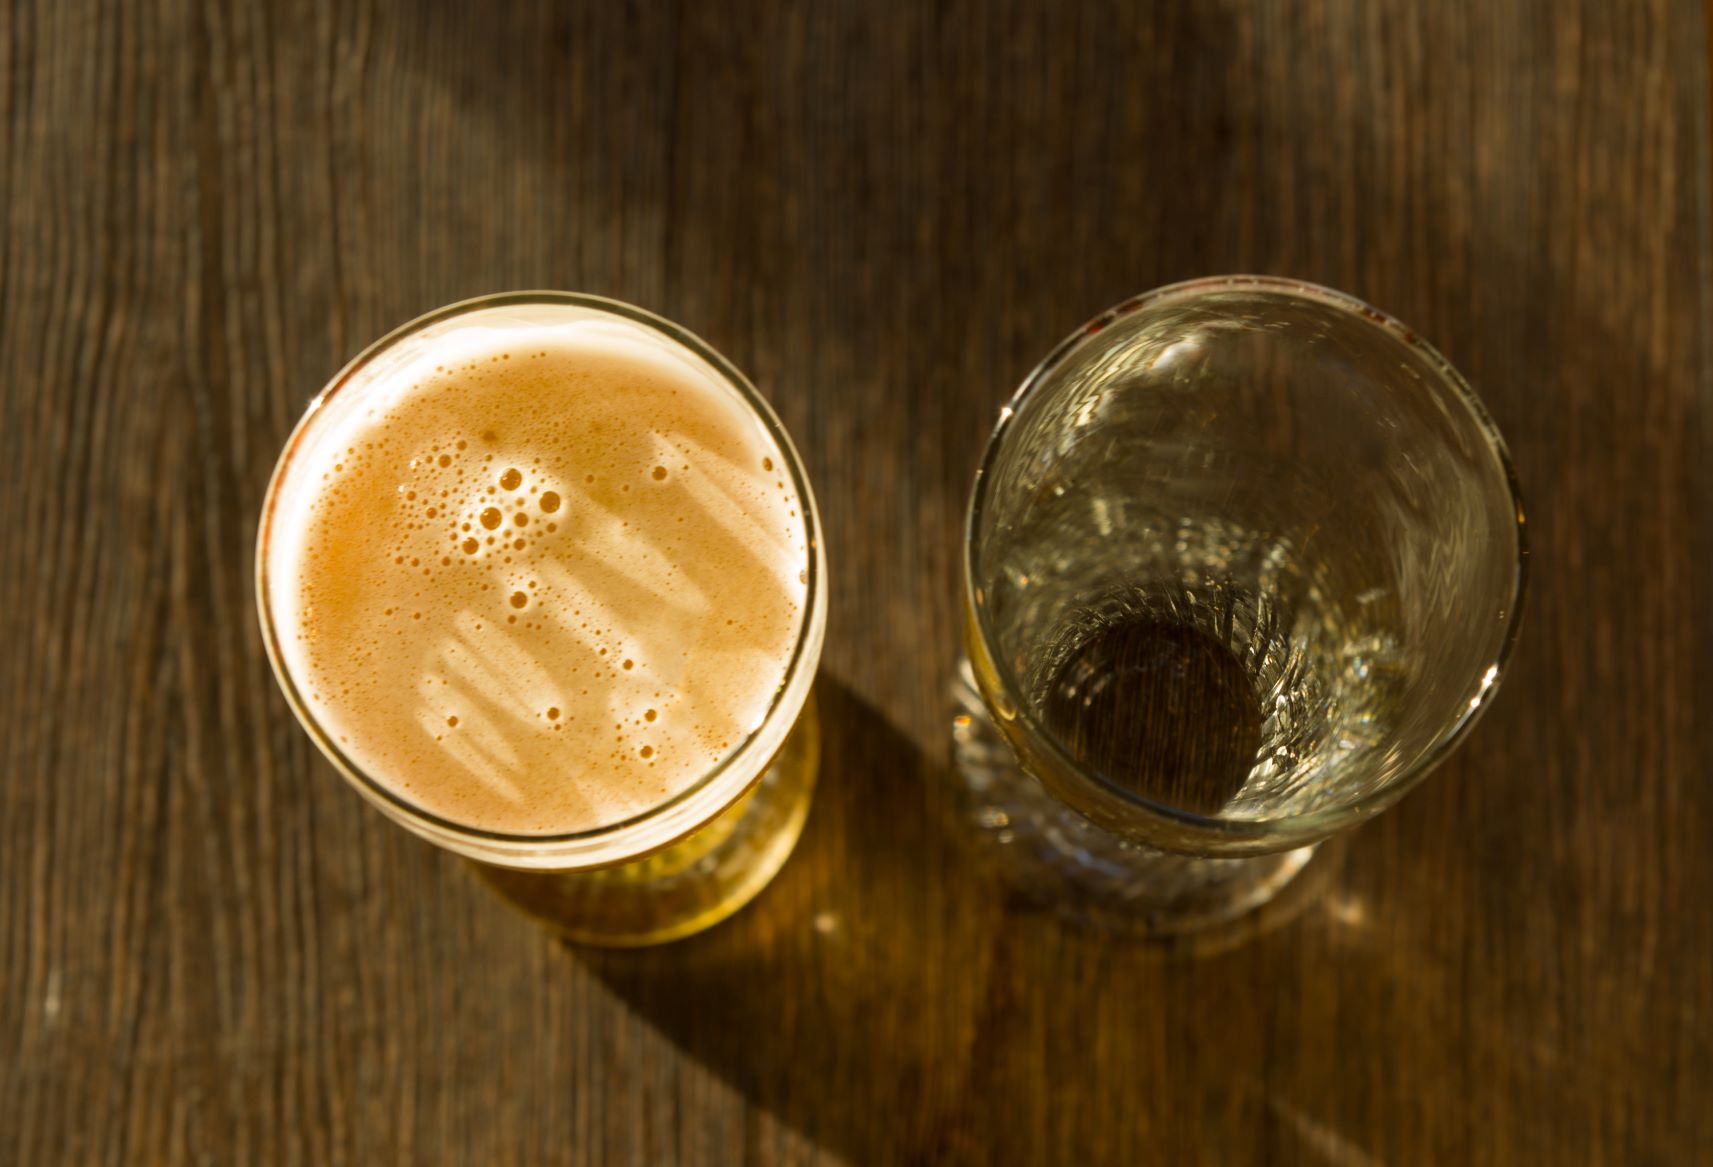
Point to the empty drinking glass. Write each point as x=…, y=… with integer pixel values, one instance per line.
x=1243, y=561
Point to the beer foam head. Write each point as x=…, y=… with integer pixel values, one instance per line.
x=537, y=570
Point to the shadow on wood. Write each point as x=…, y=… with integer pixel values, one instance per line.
x=925, y=968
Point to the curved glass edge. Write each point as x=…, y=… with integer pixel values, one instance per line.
x=662, y=825
x=1147, y=820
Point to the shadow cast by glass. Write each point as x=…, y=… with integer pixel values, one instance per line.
x=858, y=999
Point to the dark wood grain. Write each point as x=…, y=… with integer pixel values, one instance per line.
x=210, y=952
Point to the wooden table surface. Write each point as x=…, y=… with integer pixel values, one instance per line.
x=212, y=952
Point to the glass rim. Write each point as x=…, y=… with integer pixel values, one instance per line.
x=1293, y=829
x=803, y=650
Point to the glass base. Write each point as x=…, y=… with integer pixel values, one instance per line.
x=692, y=884
x=1059, y=860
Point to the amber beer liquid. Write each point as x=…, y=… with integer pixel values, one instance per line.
x=541, y=575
